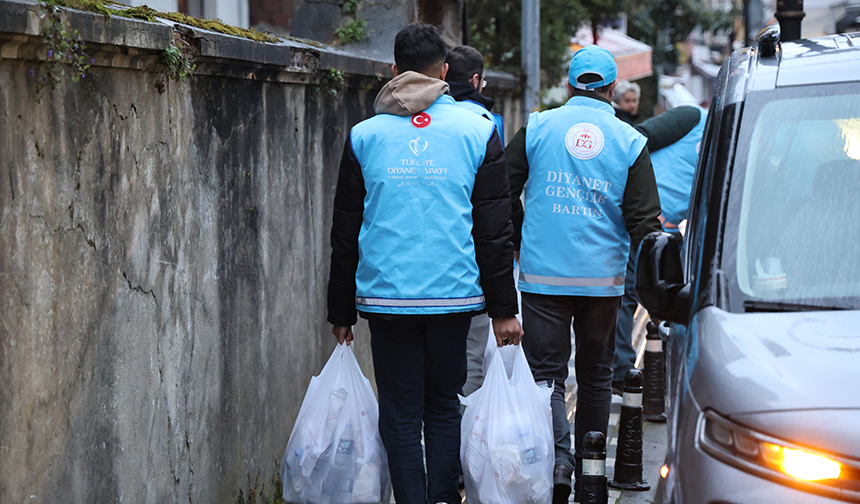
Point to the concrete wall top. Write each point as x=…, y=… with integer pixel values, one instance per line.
x=285, y=60
x=23, y=17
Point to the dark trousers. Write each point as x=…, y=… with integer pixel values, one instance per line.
x=625, y=354
x=547, y=345
x=420, y=367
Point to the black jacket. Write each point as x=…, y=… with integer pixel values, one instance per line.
x=462, y=90
x=625, y=116
x=491, y=230
x=669, y=127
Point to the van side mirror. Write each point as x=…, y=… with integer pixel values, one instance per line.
x=660, y=278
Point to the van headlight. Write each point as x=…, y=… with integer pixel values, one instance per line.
x=778, y=460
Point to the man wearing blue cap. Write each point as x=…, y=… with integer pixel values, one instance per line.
x=591, y=192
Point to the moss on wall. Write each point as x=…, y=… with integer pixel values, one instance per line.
x=109, y=8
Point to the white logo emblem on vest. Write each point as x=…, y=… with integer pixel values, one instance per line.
x=584, y=141
x=416, y=147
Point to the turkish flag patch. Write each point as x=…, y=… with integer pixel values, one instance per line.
x=421, y=120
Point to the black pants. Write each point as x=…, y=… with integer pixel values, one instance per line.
x=420, y=367
x=546, y=322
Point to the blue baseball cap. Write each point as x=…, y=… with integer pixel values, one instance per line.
x=592, y=60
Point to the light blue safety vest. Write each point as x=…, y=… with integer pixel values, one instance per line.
x=574, y=239
x=674, y=168
x=416, y=251
x=482, y=110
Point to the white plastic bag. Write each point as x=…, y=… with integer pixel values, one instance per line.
x=335, y=454
x=506, y=441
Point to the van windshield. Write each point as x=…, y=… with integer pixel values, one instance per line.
x=793, y=222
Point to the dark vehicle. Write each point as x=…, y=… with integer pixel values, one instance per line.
x=764, y=307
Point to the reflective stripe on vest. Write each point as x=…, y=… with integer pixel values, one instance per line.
x=571, y=282
x=468, y=301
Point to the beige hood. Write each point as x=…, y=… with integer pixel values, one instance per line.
x=409, y=93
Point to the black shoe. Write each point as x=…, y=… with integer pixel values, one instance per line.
x=618, y=388
x=560, y=484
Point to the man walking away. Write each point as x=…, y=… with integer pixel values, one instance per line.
x=674, y=139
x=467, y=82
x=591, y=192
x=420, y=243
x=465, y=77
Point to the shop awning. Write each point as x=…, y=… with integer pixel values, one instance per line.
x=632, y=57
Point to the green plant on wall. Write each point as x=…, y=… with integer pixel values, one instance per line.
x=353, y=31
x=332, y=81
x=64, y=52
x=178, y=63
x=349, y=6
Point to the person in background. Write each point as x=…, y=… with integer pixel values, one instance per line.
x=421, y=241
x=466, y=80
x=674, y=140
x=590, y=195
x=675, y=164
x=625, y=99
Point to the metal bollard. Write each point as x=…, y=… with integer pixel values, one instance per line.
x=654, y=397
x=592, y=482
x=628, y=455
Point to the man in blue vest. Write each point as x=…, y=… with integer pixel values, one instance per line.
x=465, y=78
x=421, y=241
x=590, y=193
x=674, y=140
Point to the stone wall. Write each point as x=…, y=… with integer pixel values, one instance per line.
x=163, y=258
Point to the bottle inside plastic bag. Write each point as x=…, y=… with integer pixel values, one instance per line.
x=335, y=454
x=340, y=479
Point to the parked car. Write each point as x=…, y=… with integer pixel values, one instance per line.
x=763, y=295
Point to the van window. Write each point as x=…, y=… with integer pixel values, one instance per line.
x=793, y=223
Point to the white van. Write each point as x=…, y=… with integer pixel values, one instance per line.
x=764, y=346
